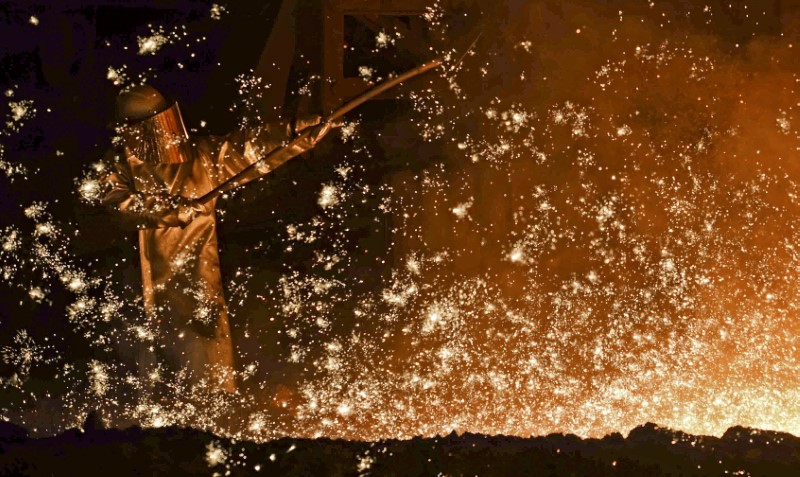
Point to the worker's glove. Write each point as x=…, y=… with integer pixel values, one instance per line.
x=315, y=127
x=188, y=210
x=304, y=122
x=181, y=211
x=316, y=133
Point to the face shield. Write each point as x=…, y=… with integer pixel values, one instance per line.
x=159, y=139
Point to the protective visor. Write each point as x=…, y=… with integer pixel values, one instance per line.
x=159, y=139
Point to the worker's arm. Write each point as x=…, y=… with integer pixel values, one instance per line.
x=149, y=211
x=239, y=150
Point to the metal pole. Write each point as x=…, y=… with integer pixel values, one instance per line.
x=337, y=114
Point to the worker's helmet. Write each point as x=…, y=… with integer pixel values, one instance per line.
x=152, y=127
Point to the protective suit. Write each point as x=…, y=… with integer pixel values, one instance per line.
x=164, y=171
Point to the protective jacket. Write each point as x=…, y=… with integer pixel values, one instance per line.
x=183, y=292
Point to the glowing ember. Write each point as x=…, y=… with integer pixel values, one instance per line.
x=150, y=45
x=217, y=11
x=215, y=455
x=329, y=196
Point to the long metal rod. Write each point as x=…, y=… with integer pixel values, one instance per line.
x=381, y=88
x=336, y=114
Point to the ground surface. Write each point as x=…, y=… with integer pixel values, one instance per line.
x=648, y=450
